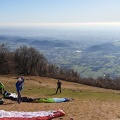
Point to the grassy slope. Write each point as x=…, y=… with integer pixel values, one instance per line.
x=90, y=103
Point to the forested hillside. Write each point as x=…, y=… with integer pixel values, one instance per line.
x=29, y=61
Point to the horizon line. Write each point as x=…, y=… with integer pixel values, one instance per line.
x=72, y=24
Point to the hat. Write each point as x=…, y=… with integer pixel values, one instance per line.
x=19, y=79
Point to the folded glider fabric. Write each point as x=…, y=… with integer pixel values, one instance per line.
x=13, y=96
x=52, y=100
x=40, y=115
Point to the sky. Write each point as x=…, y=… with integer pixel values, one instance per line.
x=54, y=12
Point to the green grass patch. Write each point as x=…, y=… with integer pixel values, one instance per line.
x=69, y=93
x=36, y=90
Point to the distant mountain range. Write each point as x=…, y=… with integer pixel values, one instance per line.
x=103, y=47
x=94, y=59
x=33, y=42
x=48, y=43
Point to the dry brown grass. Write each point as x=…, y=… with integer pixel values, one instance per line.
x=78, y=109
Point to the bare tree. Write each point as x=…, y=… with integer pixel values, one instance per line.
x=26, y=60
x=42, y=66
x=53, y=70
x=4, y=59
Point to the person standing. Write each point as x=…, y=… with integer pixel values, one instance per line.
x=19, y=86
x=58, y=86
x=1, y=87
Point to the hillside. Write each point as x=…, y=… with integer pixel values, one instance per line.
x=96, y=56
x=90, y=103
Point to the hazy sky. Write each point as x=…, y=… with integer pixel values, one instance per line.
x=59, y=11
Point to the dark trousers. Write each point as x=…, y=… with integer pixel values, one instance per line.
x=19, y=99
x=58, y=88
x=1, y=89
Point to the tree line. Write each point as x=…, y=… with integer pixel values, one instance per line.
x=29, y=61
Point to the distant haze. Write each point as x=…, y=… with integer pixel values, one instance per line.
x=62, y=31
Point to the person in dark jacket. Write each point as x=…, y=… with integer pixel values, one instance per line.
x=58, y=86
x=19, y=86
